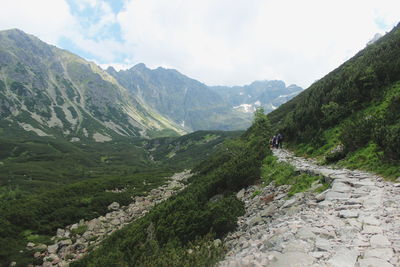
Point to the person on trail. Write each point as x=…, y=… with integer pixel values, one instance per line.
x=271, y=143
x=274, y=141
x=279, y=139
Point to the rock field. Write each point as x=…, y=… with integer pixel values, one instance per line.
x=354, y=223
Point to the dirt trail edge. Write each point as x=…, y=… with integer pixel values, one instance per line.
x=356, y=222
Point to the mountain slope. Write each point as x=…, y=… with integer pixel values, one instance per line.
x=49, y=91
x=267, y=94
x=355, y=108
x=185, y=101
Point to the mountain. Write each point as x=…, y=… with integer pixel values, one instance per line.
x=48, y=91
x=266, y=94
x=183, y=100
x=353, y=113
x=197, y=106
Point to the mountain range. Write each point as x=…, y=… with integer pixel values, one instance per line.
x=47, y=91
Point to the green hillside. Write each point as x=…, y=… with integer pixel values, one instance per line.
x=206, y=209
x=47, y=91
x=355, y=109
x=51, y=183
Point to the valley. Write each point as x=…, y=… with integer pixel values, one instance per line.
x=94, y=164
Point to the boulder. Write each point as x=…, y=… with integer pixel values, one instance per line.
x=65, y=242
x=240, y=194
x=113, y=206
x=60, y=232
x=74, y=226
x=52, y=249
x=41, y=247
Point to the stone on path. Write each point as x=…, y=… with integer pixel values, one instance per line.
x=333, y=195
x=355, y=223
x=322, y=244
x=379, y=241
x=371, y=221
x=381, y=253
x=371, y=229
x=348, y=214
x=374, y=262
x=292, y=259
x=344, y=258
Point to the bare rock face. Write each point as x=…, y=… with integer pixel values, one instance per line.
x=353, y=223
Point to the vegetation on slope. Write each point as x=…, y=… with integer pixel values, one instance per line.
x=206, y=209
x=188, y=150
x=357, y=106
x=50, y=183
x=285, y=174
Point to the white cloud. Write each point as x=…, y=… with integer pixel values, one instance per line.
x=47, y=19
x=236, y=42
x=214, y=41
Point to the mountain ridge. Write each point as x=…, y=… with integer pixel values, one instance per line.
x=56, y=88
x=196, y=106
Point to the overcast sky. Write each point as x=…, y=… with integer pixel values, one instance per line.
x=218, y=42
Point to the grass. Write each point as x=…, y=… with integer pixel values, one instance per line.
x=369, y=158
x=285, y=174
x=80, y=230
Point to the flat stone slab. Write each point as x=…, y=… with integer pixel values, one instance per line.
x=361, y=183
x=371, y=221
x=372, y=262
x=379, y=241
x=348, y=214
x=372, y=229
x=332, y=195
x=341, y=187
x=292, y=259
x=305, y=234
x=344, y=258
x=322, y=244
x=380, y=253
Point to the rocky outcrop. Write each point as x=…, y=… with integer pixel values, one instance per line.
x=73, y=242
x=354, y=223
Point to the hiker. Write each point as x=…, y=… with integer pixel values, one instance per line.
x=271, y=143
x=274, y=142
x=279, y=138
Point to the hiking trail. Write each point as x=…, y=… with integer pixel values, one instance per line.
x=356, y=222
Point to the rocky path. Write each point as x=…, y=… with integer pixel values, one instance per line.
x=354, y=223
x=71, y=244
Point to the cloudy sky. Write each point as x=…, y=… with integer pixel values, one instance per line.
x=221, y=42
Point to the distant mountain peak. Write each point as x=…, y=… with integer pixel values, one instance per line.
x=140, y=66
